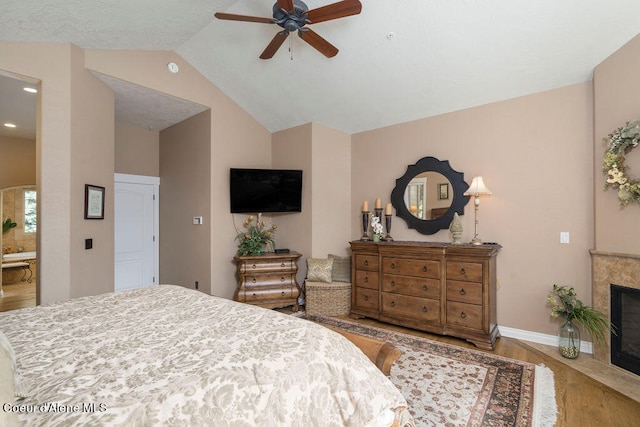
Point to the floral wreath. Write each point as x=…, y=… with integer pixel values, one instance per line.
x=619, y=143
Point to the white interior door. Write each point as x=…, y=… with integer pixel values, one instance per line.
x=136, y=230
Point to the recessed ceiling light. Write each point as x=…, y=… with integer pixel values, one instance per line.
x=9, y=125
x=30, y=89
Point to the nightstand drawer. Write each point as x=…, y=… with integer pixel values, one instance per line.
x=465, y=271
x=269, y=280
x=468, y=292
x=411, y=267
x=266, y=265
x=262, y=294
x=413, y=286
x=467, y=315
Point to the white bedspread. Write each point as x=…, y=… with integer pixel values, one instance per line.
x=166, y=355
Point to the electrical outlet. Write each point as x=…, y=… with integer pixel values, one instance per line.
x=564, y=237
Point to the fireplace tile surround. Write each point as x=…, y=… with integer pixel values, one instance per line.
x=609, y=268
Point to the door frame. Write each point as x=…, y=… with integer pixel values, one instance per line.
x=124, y=178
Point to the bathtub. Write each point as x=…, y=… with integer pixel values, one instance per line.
x=19, y=256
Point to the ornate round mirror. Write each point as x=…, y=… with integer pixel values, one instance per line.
x=428, y=195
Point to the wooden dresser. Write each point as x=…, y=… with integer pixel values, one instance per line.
x=435, y=287
x=268, y=280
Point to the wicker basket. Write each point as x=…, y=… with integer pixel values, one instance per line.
x=328, y=299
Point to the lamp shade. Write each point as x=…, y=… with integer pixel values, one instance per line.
x=477, y=188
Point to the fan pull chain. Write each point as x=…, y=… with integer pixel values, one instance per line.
x=290, y=47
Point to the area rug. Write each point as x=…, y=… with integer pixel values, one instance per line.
x=446, y=385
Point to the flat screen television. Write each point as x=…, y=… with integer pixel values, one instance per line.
x=265, y=190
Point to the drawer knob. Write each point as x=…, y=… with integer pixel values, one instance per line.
x=424, y=309
x=282, y=279
x=366, y=278
x=282, y=265
x=393, y=265
x=282, y=293
x=463, y=314
x=393, y=283
x=366, y=262
x=462, y=271
x=425, y=269
x=425, y=288
x=463, y=291
x=366, y=297
x=254, y=295
x=254, y=280
x=253, y=266
x=393, y=303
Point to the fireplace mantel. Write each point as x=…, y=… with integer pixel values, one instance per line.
x=609, y=268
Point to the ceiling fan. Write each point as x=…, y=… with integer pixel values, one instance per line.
x=294, y=15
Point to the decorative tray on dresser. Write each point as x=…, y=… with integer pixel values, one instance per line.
x=436, y=287
x=268, y=280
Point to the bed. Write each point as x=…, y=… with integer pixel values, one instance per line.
x=167, y=355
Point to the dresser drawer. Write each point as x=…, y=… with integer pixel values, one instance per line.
x=465, y=271
x=365, y=298
x=411, y=267
x=413, y=286
x=263, y=294
x=423, y=309
x=366, y=262
x=268, y=280
x=367, y=279
x=267, y=265
x=468, y=292
x=467, y=315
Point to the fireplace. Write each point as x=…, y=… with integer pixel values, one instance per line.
x=625, y=316
x=621, y=270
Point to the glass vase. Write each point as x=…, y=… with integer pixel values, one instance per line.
x=569, y=340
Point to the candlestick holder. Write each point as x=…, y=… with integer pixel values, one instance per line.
x=387, y=221
x=365, y=226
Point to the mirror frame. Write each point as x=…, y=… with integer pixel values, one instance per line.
x=458, y=187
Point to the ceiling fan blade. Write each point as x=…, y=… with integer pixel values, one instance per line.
x=275, y=44
x=286, y=5
x=334, y=11
x=320, y=44
x=244, y=18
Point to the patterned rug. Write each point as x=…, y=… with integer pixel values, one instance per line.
x=452, y=386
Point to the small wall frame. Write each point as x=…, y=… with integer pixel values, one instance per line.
x=93, y=202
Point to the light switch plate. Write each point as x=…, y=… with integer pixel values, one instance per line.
x=564, y=237
x=197, y=220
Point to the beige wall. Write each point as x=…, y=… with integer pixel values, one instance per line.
x=185, y=192
x=616, y=101
x=236, y=140
x=17, y=161
x=535, y=154
x=137, y=150
x=324, y=156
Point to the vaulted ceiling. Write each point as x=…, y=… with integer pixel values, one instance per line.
x=398, y=60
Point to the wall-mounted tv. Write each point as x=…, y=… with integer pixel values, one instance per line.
x=265, y=190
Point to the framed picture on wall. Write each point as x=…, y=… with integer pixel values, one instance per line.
x=443, y=191
x=93, y=202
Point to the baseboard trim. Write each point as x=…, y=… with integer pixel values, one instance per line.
x=551, y=340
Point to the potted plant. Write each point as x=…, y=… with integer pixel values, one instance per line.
x=564, y=303
x=257, y=236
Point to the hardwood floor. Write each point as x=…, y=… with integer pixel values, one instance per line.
x=18, y=295
x=588, y=392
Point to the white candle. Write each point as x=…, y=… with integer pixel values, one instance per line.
x=388, y=209
x=378, y=203
x=365, y=206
